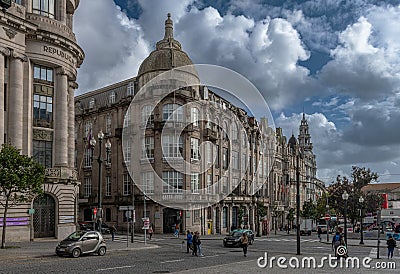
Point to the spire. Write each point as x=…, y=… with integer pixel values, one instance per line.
x=169, y=29
x=168, y=41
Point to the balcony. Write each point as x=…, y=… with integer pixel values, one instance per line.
x=210, y=134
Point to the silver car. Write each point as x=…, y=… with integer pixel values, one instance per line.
x=82, y=242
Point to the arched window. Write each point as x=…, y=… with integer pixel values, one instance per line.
x=91, y=103
x=173, y=112
x=234, y=131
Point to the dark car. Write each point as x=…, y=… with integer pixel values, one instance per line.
x=233, y=239
x=89, y=226
x=82, y=242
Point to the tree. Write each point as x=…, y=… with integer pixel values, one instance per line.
x=21, y=179
x=309, y=210
x=360, y=178
x=261, y=212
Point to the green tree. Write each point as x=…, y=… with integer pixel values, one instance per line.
x=21, y=179
x=309, y=210
x=360, y=177
x=290, y=216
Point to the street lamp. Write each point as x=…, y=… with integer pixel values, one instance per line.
x=345, y=197
x=100, y=137
x=327, y=221
x=361, y=200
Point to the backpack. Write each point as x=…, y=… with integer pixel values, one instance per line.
x=337, y=238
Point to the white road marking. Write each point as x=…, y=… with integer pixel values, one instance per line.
x=111, y=268
x=172, y=261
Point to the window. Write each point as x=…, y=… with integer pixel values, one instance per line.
x=148, y=148
x=217, y=158
x=225, y=158
x=174, y=112
x=127, y=119
x=234, y=131
x=225, y=131
x=130, y=89
x=108, y=123
x=194, y=183
x=43, y=152
x=225, y=217
x=108, y=186
x=235, y=160
x=127, y=151
x=225, y=185
x=127, y=185
x=111, y=98
x=194, y=117
x=43, y=7
x=172, y=146
x=209, y=183
x=43, y=87
x=209, y=153
x=194, y=149
x=173, y=182
x=244, y=163
x=108, y=214
x=147, y=115
x=244, y=139
x=91, y=103
x=87, y=160
x=148, y=182
x=88, y=130
x=87, y=187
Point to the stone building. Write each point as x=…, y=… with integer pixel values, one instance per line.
x=238, y=151
x=39, y=58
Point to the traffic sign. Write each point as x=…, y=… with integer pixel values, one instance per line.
x=126, y=208
x=128, y=214
x=146, y=223
x=327, y=217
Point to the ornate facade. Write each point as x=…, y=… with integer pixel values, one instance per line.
x=108, y=109
x=39, y=58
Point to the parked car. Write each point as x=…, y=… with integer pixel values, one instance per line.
x=89, y=226
x=233, y=238
x=82, y=242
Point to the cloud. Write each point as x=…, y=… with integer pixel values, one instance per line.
x=113, y=44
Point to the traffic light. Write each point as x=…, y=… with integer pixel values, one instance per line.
x=94, y=213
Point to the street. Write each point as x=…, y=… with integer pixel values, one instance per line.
x=167, y=254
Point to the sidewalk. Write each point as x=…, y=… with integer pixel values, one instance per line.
x=46, y=247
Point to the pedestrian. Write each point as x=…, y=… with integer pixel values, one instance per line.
x=244, y=240
x=176, y=232
x=336, y=241
x=194, y=251
x=150, y=231
x=189, y=241
x=391, y=244
x=198, y=244
x=113, y=230
x=319, y=233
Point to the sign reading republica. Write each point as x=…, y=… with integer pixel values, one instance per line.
x=58, y=52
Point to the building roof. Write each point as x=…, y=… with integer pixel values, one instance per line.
x=382, y=187
x=167, y=55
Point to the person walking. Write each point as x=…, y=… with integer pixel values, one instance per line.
x=244, y=240
x=336, y=242
x=189, y=241
x=113, y=230
x=150, y=231
x=198, y=244
x=391, y=244
x=194, y=252
x=176, y=232
x=319, y=233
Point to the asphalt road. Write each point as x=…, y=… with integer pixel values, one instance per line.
x=170, y=257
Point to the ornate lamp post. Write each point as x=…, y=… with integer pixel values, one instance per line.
x=361, y=200
x=345, y=197
x=100, y=137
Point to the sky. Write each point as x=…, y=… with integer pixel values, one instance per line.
x=339, y=61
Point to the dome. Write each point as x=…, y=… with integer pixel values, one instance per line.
x=167, y=55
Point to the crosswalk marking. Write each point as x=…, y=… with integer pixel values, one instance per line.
x=374, y=252
x=286, y=240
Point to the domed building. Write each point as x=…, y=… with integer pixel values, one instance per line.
x=38, y=68
x=168, y=191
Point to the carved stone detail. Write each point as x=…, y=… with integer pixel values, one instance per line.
x=10, y=32
x=42, y=135
x=5, y=51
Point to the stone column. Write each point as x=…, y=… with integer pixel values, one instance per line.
x=61, y=118
x=16, y=102
x=3, y=52
x=71, y=124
